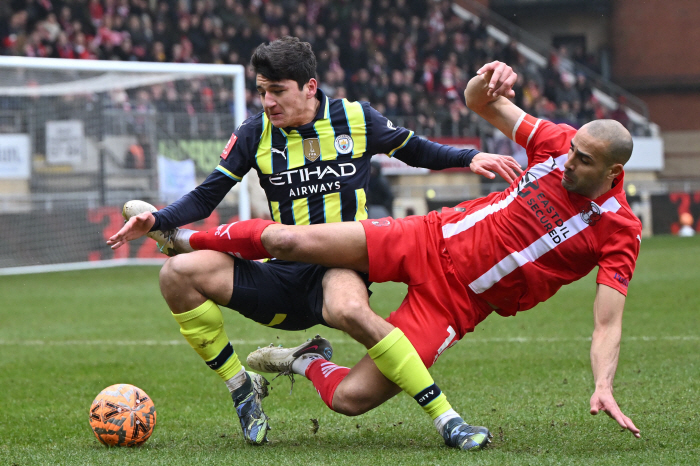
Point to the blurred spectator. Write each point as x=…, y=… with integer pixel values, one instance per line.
x=565, y=91
x=413, y=65
x=619, y=113
x=686, y=221
x=135, y=158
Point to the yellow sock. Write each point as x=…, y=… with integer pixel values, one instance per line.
x=398, y=360
x=203, y=328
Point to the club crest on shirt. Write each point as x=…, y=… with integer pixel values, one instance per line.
x=527, y=184
x=590, y=214
x=344, y=144
x=312, y=149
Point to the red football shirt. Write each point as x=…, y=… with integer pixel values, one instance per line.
x=516, y=248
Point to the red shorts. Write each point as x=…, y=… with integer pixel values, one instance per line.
x=438, y=309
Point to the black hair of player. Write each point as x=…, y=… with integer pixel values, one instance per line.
x=285, y=58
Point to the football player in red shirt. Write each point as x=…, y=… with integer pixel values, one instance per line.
x=509, y=251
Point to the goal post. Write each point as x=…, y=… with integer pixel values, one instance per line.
x=78, y=138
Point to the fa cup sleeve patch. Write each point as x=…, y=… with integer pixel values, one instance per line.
x=229, y=146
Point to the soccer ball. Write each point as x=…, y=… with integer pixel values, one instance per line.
x=122, y=415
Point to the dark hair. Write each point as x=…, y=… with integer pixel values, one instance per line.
x=285, y=58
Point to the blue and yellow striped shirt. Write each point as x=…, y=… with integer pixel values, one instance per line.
x=318, y=172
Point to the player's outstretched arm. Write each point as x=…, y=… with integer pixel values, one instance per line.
x=605, y=349
x=135, y=228
x=487, y=92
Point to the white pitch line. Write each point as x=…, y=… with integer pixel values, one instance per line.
x=264, y=342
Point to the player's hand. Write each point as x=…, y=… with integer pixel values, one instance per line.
x=485, y=164
x=604, y=401
x=136, y=227
x=502, y=80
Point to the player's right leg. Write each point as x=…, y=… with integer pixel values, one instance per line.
x=193, y=285
x=339, y=245
x=355, y=391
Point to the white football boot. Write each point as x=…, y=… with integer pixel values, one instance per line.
x=170, y=242
x=279, y=359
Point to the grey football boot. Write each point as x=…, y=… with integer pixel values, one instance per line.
x=459, y=434
x=248, y=403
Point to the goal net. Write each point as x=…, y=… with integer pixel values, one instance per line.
x=79, y=138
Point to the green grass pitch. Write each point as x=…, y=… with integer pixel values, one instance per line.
x=65, y=336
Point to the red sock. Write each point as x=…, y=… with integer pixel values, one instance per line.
x=242, y=239
x=326, y=376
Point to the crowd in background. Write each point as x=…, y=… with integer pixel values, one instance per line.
x=410, y=58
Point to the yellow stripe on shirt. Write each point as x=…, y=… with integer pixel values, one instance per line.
x=275, y=211
x=326, y=138
x=263, y=157
x=301, y=211
x=332, y=207
x=228, y=173
x=295, y=151
x=358, y=128
x=361, y=213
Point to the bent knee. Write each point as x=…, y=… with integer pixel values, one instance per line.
x=187, y=279
x=281, y=242
x=173, y=268
x=351, y=313
x=189, y=266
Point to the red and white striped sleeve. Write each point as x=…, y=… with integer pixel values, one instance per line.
x=541, y=138
x=524, y=129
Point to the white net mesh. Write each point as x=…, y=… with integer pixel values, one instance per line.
x=76, y=144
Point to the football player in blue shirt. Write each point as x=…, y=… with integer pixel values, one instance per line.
x=312, y=155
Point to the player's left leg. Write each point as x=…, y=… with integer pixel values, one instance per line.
x=354, y=392
x=346, y=307
x=365, y=387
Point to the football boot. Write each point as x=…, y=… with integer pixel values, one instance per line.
x=248, y=402
x=170, y=242
x=459, y=434
x=279, y=359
